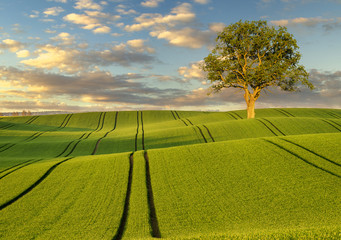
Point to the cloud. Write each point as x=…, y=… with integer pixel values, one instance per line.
x=50, y=57
x=193, y=71
x=61, y=1
x=23, y=54
x=53, y=11
x=186, y=37
x=180, y=14
x=71, y=60
x=34, y=14
x=11, y=45
x=87, y=4
x=326, y=23
x=64, y=38
x=102, y=29
x=202, y=1
x=151, y=3
x=139, y=46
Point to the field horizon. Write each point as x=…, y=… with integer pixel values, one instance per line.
x=172, y=174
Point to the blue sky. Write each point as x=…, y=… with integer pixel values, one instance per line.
x=93, y=55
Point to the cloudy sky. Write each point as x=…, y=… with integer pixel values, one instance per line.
x=92, y=55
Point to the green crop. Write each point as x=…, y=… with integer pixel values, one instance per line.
x=172, y=174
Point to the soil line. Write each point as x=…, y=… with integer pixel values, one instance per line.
x=30, y=188
x=124, y=217
x=304, y=160
x=209, y=133
x=267, y=127
x=152, y=212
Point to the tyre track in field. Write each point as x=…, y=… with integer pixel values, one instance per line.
x=331, y=123
x=151, y=205
x=19, y=166
x=308, y=150
x=35, y=184
x=106, y=134
x=267, y=127
x=237, y=115
x=301, y=158
x=334, y=115
x=273, y=125
x=34, y=135
x=209, y=133
x=200, y=131
x=124, y=217
x=231, y=115
x=82, y=138
x=286, y=113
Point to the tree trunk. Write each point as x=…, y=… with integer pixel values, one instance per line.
x=251, y=108
x=250, y=100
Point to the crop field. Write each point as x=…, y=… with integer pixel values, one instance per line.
x=172, y=175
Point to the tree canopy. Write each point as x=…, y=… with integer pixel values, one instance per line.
x=253, y=56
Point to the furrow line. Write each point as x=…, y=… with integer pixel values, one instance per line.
x=99, y=121
x=30, y=188
x=333, y=115
x=10, y=146
x=332, y=121
x=202, y=134
x=267, y=127
x=209, y=133
x=21, y=166
x=180, y=118
x=231, y=115
x=177, y=114
x=61, y=125
x=137, y=131
x=300, y=146
x=7, y=126
x=7, y=169
x=123, y=222
x=173, y=115
x=286, y=112
x=189, y=122
x=31, y=120
x=273, y=126
x=106, y=134
x=103, y=118
x=304, y=160
x=329, y=123
x=237, y=115
x=143, y=147
x=74, y=147
x=67, y=121
x=151, y=205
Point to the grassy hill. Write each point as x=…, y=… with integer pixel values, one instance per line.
x=172, y=174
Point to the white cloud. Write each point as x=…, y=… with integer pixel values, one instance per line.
x=87, y=4
x=102, y=29
x=11, y=45
x=326, y=23
x=65, y=38
x=23, y=53
x=186, y=37
x=34, y=14
x=61, y=1
x=139, y=46
x=194, y=71
x=50, y=57
x=180, y=14
x=53, y=11
x=151, y=3
x=202, y=1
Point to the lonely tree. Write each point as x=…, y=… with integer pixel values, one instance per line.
x=253, y=56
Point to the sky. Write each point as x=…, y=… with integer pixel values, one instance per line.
x=93, y=55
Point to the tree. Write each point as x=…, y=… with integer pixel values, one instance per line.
x=253, y=56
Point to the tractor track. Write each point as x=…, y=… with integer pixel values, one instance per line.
x=123, y=221
x=35, y=184
x=273, y=126
x=301, y=158
x=151, y=205
x=21, y=165
x=308, y=150
x=331, y=123
x=267, y=127
x=106, y=134
x=209, y=133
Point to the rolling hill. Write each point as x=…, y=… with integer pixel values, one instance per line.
x=172, y=174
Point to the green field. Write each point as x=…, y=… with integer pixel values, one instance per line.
x=172, y=174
